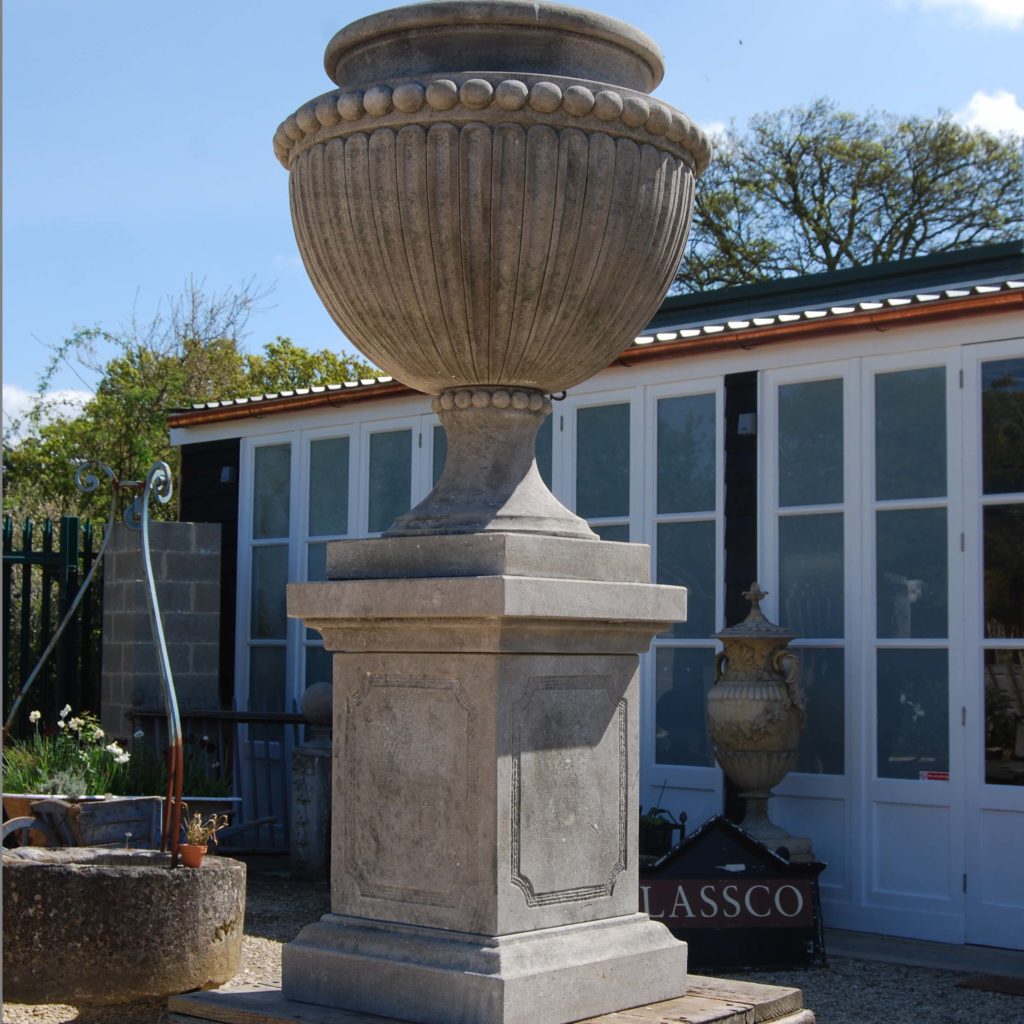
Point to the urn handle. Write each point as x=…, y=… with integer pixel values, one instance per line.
x=721, y=660
x=785, y=662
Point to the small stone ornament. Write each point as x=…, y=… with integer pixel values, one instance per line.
x=755, y=713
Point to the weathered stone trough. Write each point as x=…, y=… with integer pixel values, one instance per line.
x=86, y=925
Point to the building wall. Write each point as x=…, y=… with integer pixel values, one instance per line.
x=882, y=433
x=186, y=563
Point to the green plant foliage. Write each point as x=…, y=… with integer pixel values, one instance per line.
x=71, y=757
x=189, y=352
x=817, y=188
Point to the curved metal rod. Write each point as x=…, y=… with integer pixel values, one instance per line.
x=87, y=483
x=158, y=485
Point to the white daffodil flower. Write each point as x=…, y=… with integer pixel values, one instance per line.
x=34, y=716
x=65, y=711
x=98, y=733
x=75, y=724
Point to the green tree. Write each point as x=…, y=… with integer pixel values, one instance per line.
x=285, y=366
x=189, y=352
x=817, y=188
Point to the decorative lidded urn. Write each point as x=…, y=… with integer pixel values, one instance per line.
x=491, y=206
x=755, y=714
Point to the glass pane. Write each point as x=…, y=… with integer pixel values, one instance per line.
x=440, y=453
x=686, y=454
x=328, y=486
x=811, y=575
x=686, y=558
x=542, y=447
x=318, y=665
x=602, y=461
x=616, y=532
x=822, y=741
x=1004, y=718
x=913, y=714
x=390, y=477
x=316, y=571
x=1003, y=527
x=1002, y=426
x=266, y=678
x=811, y=443
x=910, y=434
x=269, y=577
x=684, y=675
x=271, y=490
x=912, y=574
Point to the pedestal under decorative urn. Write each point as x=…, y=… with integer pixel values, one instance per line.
x=490, y=206
x=755, y=714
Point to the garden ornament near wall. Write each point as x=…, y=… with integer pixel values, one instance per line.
x=755, y=714
x=491, y=206
x=157, y=486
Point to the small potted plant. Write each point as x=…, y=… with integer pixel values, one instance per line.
x=656, y=828
x=199, y=832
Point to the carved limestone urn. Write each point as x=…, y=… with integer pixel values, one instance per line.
x=755, y=714
x=491, y=206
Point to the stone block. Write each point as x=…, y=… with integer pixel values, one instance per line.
x=205, y=598
x=81, y=937
x=488, y=554
x=418, y=974
x=205, y=659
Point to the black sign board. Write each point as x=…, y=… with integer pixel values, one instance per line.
x=736, y=903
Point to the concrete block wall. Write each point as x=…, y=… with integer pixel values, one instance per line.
x=186, y=563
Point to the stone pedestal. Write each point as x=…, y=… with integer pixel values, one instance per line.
x=485, y=817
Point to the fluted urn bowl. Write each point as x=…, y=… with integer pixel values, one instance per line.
x=490, y=196
x=490, y=207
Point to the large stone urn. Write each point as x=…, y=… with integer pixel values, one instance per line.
x=755, y=714
x=490, y=206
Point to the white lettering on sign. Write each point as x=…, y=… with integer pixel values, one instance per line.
x=729, y=904
x=798, y=903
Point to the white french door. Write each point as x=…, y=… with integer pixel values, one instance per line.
x=993, y=661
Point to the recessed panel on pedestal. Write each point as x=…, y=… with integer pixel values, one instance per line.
x=569, y=790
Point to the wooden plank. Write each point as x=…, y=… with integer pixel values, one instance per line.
x=709, y=1001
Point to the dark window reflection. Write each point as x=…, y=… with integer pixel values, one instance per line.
x=602, y=461
x=822, y=741
x=1004, y=718
x=686, y=558
x=910, y=434
x=811, y=443
x=683, y=678
x=912, y=574
x=1002, y=426
x=1004, y=570
x=913, y=714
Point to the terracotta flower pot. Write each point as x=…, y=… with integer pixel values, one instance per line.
x=192, y=856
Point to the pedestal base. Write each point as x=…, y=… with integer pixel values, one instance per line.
x=431, y=976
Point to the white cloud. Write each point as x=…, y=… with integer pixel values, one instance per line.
x=716, y=129
x=996, y=112
x=17, y=402
x=998, y=13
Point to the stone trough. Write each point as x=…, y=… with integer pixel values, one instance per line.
x=87, y=925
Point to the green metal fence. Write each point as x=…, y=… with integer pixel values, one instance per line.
x=41, y=577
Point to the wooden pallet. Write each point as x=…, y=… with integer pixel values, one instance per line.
x=708, y=1001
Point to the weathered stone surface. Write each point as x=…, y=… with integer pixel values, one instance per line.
x=488, y=554
x=90, y=925
x=485, y=802
x=420, y=974
x=487, y=613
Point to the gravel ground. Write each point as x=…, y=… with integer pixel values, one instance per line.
x=846, y=992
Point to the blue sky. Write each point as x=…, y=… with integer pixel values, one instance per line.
x=137, y=137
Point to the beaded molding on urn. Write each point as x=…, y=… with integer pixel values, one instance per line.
x=487, y=398
x=347, y=107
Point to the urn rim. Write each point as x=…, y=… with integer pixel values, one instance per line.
x=572, y=24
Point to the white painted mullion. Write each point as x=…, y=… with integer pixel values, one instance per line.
x=243, y=608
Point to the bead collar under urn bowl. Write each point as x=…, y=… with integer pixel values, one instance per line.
x=491, y=206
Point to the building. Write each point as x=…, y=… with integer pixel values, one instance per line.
x=854, y=441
